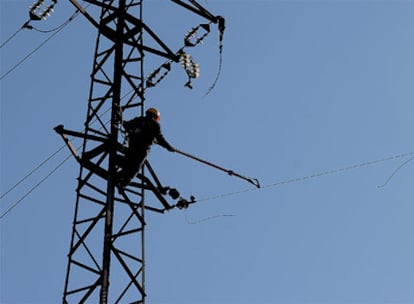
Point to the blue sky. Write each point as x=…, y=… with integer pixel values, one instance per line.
x=307, y=87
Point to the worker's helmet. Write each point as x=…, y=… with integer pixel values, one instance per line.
x=153, y=112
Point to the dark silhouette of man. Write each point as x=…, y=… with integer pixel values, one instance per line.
x=141, y=132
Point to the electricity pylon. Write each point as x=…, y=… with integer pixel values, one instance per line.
x=106, y=260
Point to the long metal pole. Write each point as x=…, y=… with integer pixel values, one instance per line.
x=253, y=181
x=115, y=119
x=142, y=207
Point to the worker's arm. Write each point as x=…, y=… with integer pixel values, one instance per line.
x=163, y=143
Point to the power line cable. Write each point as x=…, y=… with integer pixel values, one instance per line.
x=46, y=160
x=36, y=18
x=32, y=171
x=312, y=176
x=53, y=29
x=12, y=36
x=27, y=25
x=56, y=31
x=51, y=156
x=30, y=54
x=42, y=180
x=40, y=165
x=205, y=219
x=289, y=181
x=395, y=172
x=193, y=222
x=34, y=188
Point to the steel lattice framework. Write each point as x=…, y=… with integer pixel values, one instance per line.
x=108, y=227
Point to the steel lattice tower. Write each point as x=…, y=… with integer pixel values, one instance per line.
x=108, y=227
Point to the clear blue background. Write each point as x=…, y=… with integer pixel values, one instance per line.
x=307, y=87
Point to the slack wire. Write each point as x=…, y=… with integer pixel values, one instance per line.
x=312, y=176
x=194, y=222
x=211, y=88
x=56, y=28
x=221, y=26
x=395, y=172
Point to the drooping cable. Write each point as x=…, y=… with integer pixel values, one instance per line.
x=37, y=12
x=221, y=26
x=205, y=219
x=53, y=29
x=211, y=88
x=395, y=172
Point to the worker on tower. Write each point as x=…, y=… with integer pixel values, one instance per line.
x=141, y=133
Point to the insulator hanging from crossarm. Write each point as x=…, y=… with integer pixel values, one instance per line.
x=47, y=12
x=36, y=5
x=158, y=74
x=192, y=39
x=191, y=68
x=34, y=13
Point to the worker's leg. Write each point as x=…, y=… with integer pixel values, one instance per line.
x=131, y=166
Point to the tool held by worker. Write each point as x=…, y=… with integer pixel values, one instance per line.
x=253, y=181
